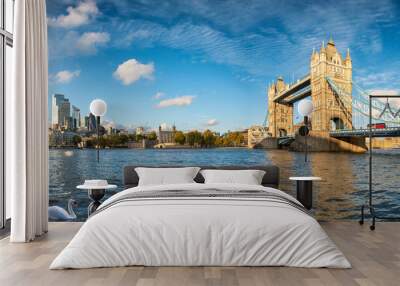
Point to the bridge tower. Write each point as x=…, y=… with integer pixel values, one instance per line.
x=330, y=112
x=280, y=116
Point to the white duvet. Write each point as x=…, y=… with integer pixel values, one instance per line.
x=194, y=231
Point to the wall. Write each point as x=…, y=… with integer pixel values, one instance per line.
x=320, y=141
x=384, y=143
x=267, y=143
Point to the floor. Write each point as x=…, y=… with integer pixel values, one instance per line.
x=375, y=256
x=5, y=231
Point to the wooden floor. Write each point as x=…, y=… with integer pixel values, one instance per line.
x=375, y=257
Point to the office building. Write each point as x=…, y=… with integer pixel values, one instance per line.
x=76, y=117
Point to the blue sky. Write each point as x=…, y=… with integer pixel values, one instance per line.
x=207, y=64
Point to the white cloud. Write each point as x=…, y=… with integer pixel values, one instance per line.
x=252, y=45
x=72, y=43
x=390, y=92
x=77, y=16
x=177, y=101
x=88, y=41
x=212, y=122
x=131, y=70
x=393, y=102
x=372, y=78
x=158, y=95
x=107, y=123
x=66, y=76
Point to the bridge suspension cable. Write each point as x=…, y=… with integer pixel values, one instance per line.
x=359, y=101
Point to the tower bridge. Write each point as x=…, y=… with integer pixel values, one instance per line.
x=294, y=92
x=341, y=107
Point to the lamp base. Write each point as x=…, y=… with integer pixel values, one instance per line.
x=95, y=195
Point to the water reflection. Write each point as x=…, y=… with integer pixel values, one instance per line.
x=338, y=196
x=333, y=191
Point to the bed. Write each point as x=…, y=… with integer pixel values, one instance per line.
x=197, y=224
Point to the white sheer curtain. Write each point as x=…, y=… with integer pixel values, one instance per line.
x=26, y=117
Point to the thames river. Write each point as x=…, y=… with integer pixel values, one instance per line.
x=338, y=197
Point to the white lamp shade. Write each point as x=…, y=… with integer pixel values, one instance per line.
x=305, y=107
x=98, y=107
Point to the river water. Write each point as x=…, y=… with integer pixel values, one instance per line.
x=338, y=197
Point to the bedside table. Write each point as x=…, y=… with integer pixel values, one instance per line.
x=304, y=190
x=96, y=191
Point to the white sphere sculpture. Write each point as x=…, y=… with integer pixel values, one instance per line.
x=98, y=107
x=305, y=107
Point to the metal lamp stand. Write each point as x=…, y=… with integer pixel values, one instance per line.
x=303, y=131
x=370, y=205
x=98, y=137
x=95, y=195
x=305, y=138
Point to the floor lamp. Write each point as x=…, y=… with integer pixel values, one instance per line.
x=371, y=129
x=98, y=108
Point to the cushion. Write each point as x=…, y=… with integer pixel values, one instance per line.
x=248, y=177
x=165, y=176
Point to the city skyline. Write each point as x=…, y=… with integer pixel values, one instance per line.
x=67, y=116
x=207, y=67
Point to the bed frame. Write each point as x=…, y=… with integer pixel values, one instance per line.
x=270, y=179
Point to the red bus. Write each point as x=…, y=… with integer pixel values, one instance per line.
x=378, y=126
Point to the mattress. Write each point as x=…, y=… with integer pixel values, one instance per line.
x=201, y=225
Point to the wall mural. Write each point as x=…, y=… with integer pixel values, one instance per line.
x=219, y=83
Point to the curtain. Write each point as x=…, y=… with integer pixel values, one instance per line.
x=27, y=123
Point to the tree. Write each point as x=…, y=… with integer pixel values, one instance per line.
x=180, y=137
x=77, y=139
x=123, y=139
x=233, y=139
x=198, y=138
x=239, y=139
x=103, y=142
x=191, y=138
x=139, y=137
x=113, y=140
x=152, y=136
x=194, y=138
x=208, y=138
x=219, y=141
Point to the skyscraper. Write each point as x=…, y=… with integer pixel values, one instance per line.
x=92, y=125
x=56, y=101
x=64, y=112
x=76, y=117
x=60, y=111
x=85, y=122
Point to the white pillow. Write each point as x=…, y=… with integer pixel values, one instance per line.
x=166, y=176
x=248, y=177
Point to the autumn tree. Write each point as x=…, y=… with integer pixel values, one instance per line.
x=152, y=136
x=194, y=138
x=208, y=138
x=180, y=138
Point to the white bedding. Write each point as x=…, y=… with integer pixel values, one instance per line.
x=200, y=231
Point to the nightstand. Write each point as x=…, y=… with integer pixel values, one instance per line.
x=96, y=191
x=304, y=191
